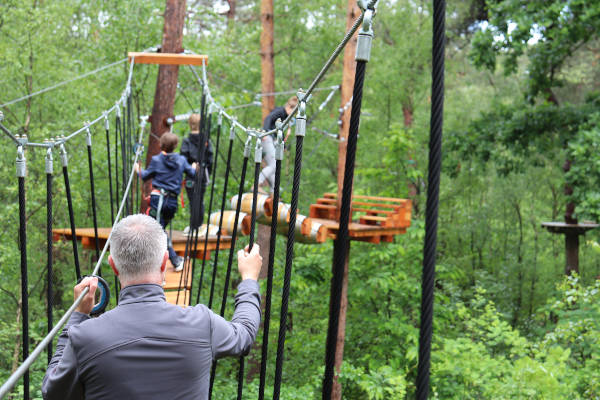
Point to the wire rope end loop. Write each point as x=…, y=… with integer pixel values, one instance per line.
x=88, y=134
x=106, y=124
x=63, y=155
x=49, y=158
x=21, y=161
x=1, y=116
x=258, y=150
x=232, y=130
x=118, y=107
x=220, y=117
x=365, y=38
x=248, y=145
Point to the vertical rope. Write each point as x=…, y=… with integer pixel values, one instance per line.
x=433, y=187
x=24, y=283
x=212, y=191
x=343, y=237
x=49, y=262
x=110, y=184
x=72, y=221
x=289, y=255
x=272, y=243
x=229, y=262
x=117, y=140
x=93, y=193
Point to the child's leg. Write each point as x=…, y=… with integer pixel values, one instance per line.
x=166, y=215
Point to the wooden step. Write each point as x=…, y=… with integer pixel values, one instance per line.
x=322, y=211
x=183, y=297
x=172, y=278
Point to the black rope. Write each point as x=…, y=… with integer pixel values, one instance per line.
x=343, y=237
x=285, y=295
x=24, y=283
x=212, y=191
x=93, y=193
x=49, y=272
x=433, y=185
x=117, y=140
x=229, y=262
x=272, y=243
x=110, y=184
x=72, y=221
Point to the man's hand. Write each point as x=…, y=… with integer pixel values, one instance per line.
x=137, y=167
x=249, y=264
x=195, y=165
x=87, y=304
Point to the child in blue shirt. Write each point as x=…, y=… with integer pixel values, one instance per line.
x=166, y=170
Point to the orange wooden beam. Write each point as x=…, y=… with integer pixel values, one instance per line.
x=168, y=58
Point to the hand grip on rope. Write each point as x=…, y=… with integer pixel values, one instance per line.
x=104, y=295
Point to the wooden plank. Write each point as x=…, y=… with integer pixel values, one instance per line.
x=168, y=58
x=183, y=297
x=377, y=198
x=172, y=278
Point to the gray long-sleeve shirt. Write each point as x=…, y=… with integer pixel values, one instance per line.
x=146, y=348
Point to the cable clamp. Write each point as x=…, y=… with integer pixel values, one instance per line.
x=301, y=115
x=118, y=108
x=258, y=150
x=63, y=155
x=220, y=117
x=247, y=146
x=365, y=38
x=49, y=159
x=106, y=124
x=279, y=145
x=21, y=161
x=232, y=130
x=1, y=116
x=138, y=147
x=89, y=134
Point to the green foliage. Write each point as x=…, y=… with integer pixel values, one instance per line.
x=548, y=32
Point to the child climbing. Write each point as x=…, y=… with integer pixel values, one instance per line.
x=166, y=171
x=266, y=180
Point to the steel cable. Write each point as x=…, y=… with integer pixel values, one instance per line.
x=72, y=221
x=49, y=258
x=24, y=283
x=431, y=213
x=93, y=197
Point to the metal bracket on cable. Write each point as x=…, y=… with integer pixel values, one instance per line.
x=232, y=130
x=49, y=159
x=63, y=155
x=118, y=107
x=279, y=145
x=248, y=145
x=106, y=124
x=258, y=150
x=220, y=117
x=88, y=134
x=365, y=36
x=21, y=161
x=301, y=116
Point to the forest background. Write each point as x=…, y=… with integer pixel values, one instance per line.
x=522, y=83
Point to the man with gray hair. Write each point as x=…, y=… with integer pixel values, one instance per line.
x=146, y=348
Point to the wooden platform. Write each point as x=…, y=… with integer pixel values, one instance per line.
x=374, y=219
x=86, y=237
x=168, y=58
x=575, y=229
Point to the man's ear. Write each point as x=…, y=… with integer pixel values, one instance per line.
x=111, y=262
x=163, y=266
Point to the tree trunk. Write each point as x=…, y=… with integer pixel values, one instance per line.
x=166, y=83
x=231, y=12
x=267, y=56
x=346, y=94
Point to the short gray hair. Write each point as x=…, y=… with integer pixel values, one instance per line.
x=137, y=246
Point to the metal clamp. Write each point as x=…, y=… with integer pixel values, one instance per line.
x=301, y=115
x=220, y=117
x=63, y=155
x=258, y=151
x=21, y=161
x=247, y=146
x=118, y=108
x=49, y=159
x=88, y=134
x=106, y=124
x=365, y=38
x=279, y=145
x=232, y=131
x=1, y=116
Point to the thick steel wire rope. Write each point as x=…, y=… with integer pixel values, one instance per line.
x=109, y=167
x=24, y=283
x=343, y=236
x=123, y=155
x=23, y=369
x=93, y=197
x=229, y=264
x=212, y=191
x=117, y=141
x=433, y=187
x=49, y=260
x=71, y=221
x=240, y=386
x=269, y=290
x=289, y=256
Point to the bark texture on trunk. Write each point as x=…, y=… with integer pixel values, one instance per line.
x=166, y=83
x=267, y=55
